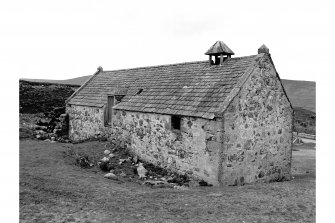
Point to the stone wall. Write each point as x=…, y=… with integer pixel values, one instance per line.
x=192, y=150
x=258, y=131
x=86, y=122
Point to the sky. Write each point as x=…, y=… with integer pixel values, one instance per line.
x=68, y=39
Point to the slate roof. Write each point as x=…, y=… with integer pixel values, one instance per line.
x=189, y=89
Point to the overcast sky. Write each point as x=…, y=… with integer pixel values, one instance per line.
x=67, y=39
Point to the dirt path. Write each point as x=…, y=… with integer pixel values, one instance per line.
x=53, y=189
x=308, y=140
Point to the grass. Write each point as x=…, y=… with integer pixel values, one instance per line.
x=54, y=189
x=304, y=121
x=301, y=93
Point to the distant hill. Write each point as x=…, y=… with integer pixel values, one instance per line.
x=301, y=93
x=73, y=81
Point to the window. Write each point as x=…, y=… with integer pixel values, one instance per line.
x=111, y=101
x=175, y=122
x=108, y=110
x=139, y=91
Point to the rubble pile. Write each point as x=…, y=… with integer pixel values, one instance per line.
x=122, y=166
x=53, y=126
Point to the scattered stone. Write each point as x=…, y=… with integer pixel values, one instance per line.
x=111, y=176
x=43, y=122
x=105, y=166
x=141, y=171
x=135, y=159
x=83, y=162
x=122, y=161
x=62, y=115
x=105, y=159
x=53, y=138
x=204, y=184
x=111, y=155
x=158, y=184
x=153, y=182
x=180, y=187
x=123, y=175
x=106, y=152
x=41, y=128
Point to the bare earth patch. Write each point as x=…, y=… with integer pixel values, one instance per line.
x=54, y=189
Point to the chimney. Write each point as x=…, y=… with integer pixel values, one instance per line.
x=100, y=69
x=263, y=49
x=220, y=51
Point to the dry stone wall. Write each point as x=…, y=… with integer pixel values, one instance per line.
x=86, y=122
x=192, y=150
x=258, y=131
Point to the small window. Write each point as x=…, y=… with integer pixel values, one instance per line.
x=175, y=122
x=139, y=91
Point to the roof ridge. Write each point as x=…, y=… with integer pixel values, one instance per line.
x=174, y=64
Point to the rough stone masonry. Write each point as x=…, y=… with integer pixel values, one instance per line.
x=249, y=138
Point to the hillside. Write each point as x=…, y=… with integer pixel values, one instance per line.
x=73, y=81
x=43, y=97
x=301, y=93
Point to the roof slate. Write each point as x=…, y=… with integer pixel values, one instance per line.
x=192, y=89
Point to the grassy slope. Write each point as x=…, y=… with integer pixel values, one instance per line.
x=53, y=189
x=36, y=97
x=72, y=81
x=301, y=93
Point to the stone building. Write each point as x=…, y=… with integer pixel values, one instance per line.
x=227, y=120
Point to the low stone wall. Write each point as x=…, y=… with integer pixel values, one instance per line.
x=86, y=122
x=192, y=150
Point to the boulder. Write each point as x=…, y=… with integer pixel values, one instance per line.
x=43, y=122
x=135, y=159
x=41, y=127
x=141, y=171
x=105, y=159
x=111, y=176
x=111, y=155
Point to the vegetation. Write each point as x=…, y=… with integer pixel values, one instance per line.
x=304, y=121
